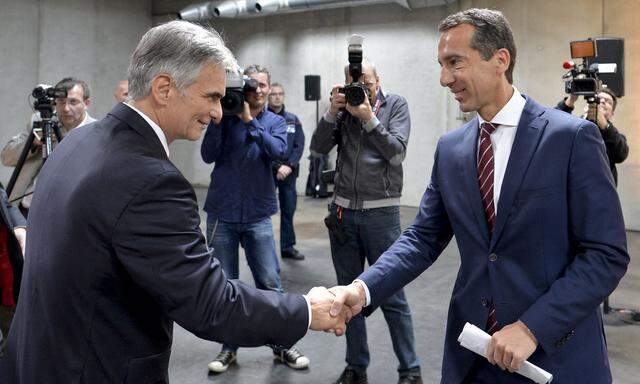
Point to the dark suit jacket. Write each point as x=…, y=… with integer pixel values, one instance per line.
x=11, y=217
x=558, y=249
x=115, y=256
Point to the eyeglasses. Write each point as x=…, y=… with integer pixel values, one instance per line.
x=276, y=94
x=70, y=102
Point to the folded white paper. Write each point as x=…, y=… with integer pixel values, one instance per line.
x=476, y=340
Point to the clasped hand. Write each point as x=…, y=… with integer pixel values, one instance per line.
x=331, y=309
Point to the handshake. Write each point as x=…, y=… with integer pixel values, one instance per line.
x=331, y=309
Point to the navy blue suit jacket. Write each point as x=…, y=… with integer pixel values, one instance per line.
x=115, y=256
x=558, y=249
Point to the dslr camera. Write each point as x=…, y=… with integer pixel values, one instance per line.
x=583, y=79
x=45, y=97
x=235, y=93
x=356, y=91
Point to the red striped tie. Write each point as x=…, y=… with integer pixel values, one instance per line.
x=485, y=179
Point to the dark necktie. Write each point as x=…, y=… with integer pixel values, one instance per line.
x=485, y=179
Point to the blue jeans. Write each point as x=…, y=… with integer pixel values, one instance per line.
x=259, y=247
x=368, y=234
x=288, y=198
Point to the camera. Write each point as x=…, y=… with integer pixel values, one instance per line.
x=235, y=93
x=583, y=79
x=45, y=96
x=355, y=92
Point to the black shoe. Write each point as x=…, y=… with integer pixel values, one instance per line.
x=410, y=380
x=292, y=357
x=222, y=361
x=349, y=376
x=292, y=253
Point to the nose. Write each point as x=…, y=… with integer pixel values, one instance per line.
x=446, y=78
x=216, y=112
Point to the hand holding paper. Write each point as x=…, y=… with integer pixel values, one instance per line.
x=476, y=340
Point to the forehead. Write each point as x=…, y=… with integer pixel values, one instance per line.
x=277, y=88
x=260, y=77
x=605, y=95
x=75, y=93
x=212, y=78
x=455, y=41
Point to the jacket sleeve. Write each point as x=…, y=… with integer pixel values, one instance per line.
x=13, y=149
x=416, y=249
x=597, y=231
x=323, y=140
x=391, y=141
x=616, y=143
x=157, y=239
x=273, y=141
x=211, y=147
x=298, y=145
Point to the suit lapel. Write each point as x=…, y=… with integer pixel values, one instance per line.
x=528, y=134
x=134, y=120
x=469, y=150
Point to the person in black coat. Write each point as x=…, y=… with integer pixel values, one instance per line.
x=115, y=252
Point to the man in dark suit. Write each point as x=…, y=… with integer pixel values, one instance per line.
x=117, y=254
x=529, y=196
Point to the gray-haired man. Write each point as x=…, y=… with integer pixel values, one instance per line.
x=99, y=298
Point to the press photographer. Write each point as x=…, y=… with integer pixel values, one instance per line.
x=70, y=112
x=585, y=80
x=371, y=130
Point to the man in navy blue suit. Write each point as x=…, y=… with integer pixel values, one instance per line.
x=529, y=196
x=115, y=252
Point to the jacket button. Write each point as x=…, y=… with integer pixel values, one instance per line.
x=484, y=302
x=493, y=257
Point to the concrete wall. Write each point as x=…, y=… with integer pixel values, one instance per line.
x=42, y=41
x=403, y=46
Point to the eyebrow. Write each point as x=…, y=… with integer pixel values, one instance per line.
x=214, y=94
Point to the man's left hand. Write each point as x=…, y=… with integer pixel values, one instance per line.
x=362, y=111
x=283, y=172
x=511, y=346
x=602, y=118
x=245, y=115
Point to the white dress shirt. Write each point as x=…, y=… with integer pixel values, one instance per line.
x=507, y=120
x=156, y=128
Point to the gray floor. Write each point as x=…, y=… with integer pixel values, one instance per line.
x=428, y=296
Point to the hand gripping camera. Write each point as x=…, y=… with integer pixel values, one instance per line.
x=356, y=91
x=235, y=94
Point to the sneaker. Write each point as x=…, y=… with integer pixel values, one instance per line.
x=292, y=253
x=222, y=361
x=292, y=357
x=410, y=380
x=349, y=376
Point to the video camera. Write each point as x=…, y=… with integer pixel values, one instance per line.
x=235, y=94
x=356, y=91
x=46, y=96
x=583, y=79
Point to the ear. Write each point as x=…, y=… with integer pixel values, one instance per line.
x=503, y=59
x=161, y=87
x=87, y=103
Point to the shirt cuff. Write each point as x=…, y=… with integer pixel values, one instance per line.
x=329, y=118
x=366, y=292
x=309, y=310
x=371, y=124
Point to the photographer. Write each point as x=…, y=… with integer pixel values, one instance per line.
x=71, y=112
x=285, y=173
x=364, y=216
x=241, y=198
x=615, y=142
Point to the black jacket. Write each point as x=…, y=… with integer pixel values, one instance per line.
x=614, y=141
x=115, y=256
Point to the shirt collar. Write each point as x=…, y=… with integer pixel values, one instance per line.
x=156, y=128
x=510, y=114
x=281, y=113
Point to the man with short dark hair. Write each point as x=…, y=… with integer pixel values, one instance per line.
x=528, y=194
x=285, y=173
x=614, y=141
x=241, y=199
x=71, y=112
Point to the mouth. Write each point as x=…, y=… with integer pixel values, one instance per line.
x=458, y=94
x=205, y=124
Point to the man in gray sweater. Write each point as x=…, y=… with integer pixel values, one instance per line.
x=364, y=218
